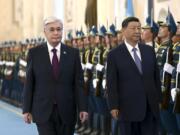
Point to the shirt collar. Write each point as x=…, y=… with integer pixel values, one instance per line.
x=50, y=47
x=130, y=47
x=149, y=43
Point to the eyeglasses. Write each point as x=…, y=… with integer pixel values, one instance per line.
x=51, y=30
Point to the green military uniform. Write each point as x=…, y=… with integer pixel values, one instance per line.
x=175, y=84
x=165, y=63
x=105, y=53
x=1, y=67
x=97, y=74
x=175, y=80
x=88, y=68
x=164, y=49
x=9, y=64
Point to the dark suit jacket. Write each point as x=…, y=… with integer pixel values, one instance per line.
x=42, y=90
x=128, y=90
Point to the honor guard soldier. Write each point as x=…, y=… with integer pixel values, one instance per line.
x=80, y=45
x=95, y=80
x=97, y=62
x=8, y=71
x=165, y=63
x=88, y=63
x=112, y=36
x=1, y=66
x=88, y=44
x=22, y=63
x=16, y=92
x=103, y=32
x=113, y=43
x=175, y=81
x=149, y=33
x=105, y=119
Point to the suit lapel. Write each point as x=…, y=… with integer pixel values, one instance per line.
x=130, y=59
x=143, y=57
x=46, y=58
x=63, y=54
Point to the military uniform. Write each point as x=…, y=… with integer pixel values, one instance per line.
x=2, y=64
x=175, y=82
x=13, y=68
x=88, y=68
x=165, y=64
x=8, y=73
x=97, y=73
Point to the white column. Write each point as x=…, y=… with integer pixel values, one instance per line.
x=119, y=12
x=145, y=11
x=59, y=9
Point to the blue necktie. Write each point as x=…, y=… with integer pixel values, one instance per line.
x=137, y=60
x=55, y=64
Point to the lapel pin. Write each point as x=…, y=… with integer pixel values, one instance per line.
x=64, y=52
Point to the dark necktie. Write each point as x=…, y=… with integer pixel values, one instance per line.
x=55, y=64
x=137, y=60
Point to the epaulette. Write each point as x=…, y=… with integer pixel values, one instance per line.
x=177, y=43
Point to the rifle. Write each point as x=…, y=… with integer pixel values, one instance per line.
x=98, y=77
x=166, y=81
x=176, y=108
x=87, y=73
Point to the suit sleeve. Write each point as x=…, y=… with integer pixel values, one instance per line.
x=112, y=82
x=28, y=87
x=81, y=98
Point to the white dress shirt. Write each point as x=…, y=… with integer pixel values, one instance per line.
x=130, y=47
x=149, y=43
x=50, y=47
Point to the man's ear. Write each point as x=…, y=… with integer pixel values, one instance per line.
x=122, y=30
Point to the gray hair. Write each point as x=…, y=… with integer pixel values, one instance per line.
x=51, y=19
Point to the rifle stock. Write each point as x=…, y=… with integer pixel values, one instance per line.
x=176, y=108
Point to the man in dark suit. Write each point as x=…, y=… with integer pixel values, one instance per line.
x=54, y=84
x=133, y=83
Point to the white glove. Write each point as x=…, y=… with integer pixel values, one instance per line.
x=95, y=83
x=83, y=66
x=168, y=68
x=85, y=79
x=104, y=83
x=23, y=62
x=89, y=66
x=156, y=49
x=173, y=94
x=21, y=73
x=178, y=68
x=99, y=67
x=1, y=63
